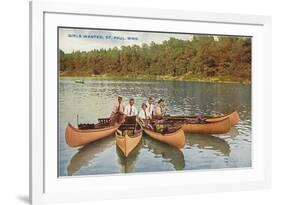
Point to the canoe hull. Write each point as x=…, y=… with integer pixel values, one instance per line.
x=217, y=127
x=75, y=137
x=233, y=117
x=127, y=143
x=176, y=139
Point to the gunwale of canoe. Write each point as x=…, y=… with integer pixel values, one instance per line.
x=75, y=137
x=234, y=118
x=127, y=143
x=176, y=139
x=217, y=127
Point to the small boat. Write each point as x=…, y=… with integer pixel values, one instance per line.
x=176, y=139
x=80, y=81
x=216, y=127
x=128, y=137
x=77, y=137
x=127, y=142
x=233, y=116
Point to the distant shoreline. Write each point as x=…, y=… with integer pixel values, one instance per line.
x=222, y=79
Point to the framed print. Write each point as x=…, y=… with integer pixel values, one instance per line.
x=121, y=97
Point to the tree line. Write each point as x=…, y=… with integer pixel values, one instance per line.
x=203, y=56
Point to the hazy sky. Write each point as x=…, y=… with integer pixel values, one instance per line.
x=90, y=39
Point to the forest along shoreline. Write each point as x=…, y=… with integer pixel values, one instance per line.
x=158, y=78
x=203, y=59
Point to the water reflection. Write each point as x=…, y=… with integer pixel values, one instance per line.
x=232, y=133
x=168, y=153
x=86, y=154
x=128, y=163
x=208, y=142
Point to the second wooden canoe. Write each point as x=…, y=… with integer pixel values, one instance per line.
x=217, y=127
x=127, y=142
x=233, y=117
x=176, y=139
x=75, y=137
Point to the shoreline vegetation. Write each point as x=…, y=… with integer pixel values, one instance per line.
x=222, y=79
x=202, y=59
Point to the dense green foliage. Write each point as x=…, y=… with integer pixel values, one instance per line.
x=202, y=57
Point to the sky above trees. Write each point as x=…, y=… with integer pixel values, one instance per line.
x=89, y=39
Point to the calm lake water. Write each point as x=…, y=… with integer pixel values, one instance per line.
x=95, y=98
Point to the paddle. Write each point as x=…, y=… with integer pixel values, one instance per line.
x=77, y=119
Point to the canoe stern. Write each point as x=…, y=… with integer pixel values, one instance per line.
x=218, y=127
x=176, y=139
x=75, y=137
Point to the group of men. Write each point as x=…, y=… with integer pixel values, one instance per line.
x=148, y=109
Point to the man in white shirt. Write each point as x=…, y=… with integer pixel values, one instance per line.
x=150, y=106
x=117, y=114
x=130, y=109
x=143, y=114
x=160, y=110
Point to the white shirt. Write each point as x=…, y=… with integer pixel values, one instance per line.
x=149, y=108
x=131, y=110
x=144, y=114
x=160, y=111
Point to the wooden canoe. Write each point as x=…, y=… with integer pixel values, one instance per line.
x=176, y=139
x=216, y=127
x=127, y=142
x=234, y=118
x=76, y=137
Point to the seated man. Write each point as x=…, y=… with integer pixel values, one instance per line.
x=150, y=106
x=144, y=114
x=117, y=114
x=160, y=109
x=130, y=109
